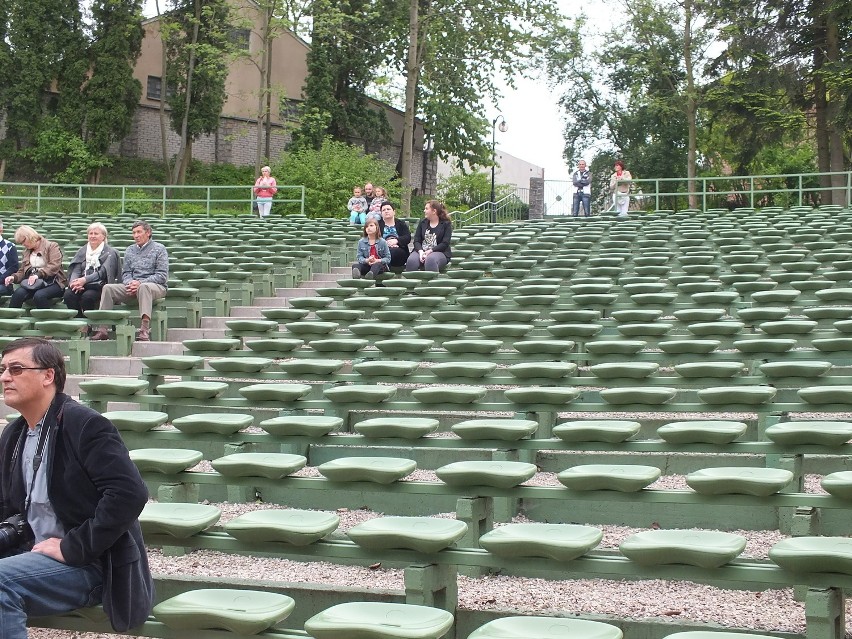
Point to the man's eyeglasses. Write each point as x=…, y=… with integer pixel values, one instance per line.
x=17, y=369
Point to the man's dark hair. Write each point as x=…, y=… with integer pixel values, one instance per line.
x=143, y=224
x=44, y=354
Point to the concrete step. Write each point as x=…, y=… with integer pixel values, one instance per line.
x=115, y=366
x=181, y=334
x=271, y=302
x=293, y=292
x=246, y=312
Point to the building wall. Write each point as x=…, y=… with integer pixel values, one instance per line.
x=510, y=170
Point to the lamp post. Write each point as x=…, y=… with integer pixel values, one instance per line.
x=503, y=128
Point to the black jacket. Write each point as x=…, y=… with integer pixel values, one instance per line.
x=443, y=233
x=402, y=232
x=97, y=494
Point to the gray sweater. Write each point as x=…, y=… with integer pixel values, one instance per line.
x=149, y=263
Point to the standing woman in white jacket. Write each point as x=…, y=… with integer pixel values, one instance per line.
x=620, y=188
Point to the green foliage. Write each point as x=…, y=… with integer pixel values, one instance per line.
x=462, y=191
x=330, y=173
x=138, y=203
x=63, y=156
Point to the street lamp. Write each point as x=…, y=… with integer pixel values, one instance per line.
x=503, y=128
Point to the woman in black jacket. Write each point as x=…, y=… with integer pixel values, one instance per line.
x=431, y=239
x=396, y=233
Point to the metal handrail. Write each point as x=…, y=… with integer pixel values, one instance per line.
x=33, y=197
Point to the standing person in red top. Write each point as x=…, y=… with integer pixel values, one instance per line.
x=264, y=188
x=374, y=256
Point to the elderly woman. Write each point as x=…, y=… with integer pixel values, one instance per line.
x=94, y=265
x=40, y=275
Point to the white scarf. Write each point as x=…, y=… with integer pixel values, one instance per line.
x=93, y=256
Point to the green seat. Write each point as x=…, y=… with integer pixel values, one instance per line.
x=637, y=329
x=115, y=386
x=788, y=327
x=251, y=326
x=274, y=392
x=107, y=316
x=651, y=396
x=214, y=345
x=615, y=346
x=724, y=327
x=311, y=328
x=611, y=431
x=312, y=366
x=705, y=549
x=803, y=368
x=359, y=394
x=292, y=526
x=138, y=421
x=816, y=432
x=168, y=461
x=764, y=345
x=449, y=394
x=244, y=612
x=49, y=314
x=843, y=295
x=284, y=314
x=375, y=329
x=401, y=427
x=192, y=390
x=625, y=478
x=338, y=345
x=61, y=328
x=560, y=542
x=838, y=484
x=499, y=474
x=385, y=368
x=543, y=346
x=379, y=470
x=177, y=520
x=636, y=315
x=548, y=370
x=724, y=395
x=310, y=303
x=301, y=425
x=377, y=620
x=818, y=395
x=439, y=330
x=549, y=395
x=828, y=312
x=453, y=316
x=702, y=431
x=269, y=465
x=501, y=429
x=273, y=345
x=763, y=313
x=464, y=369
x=833, y=345
x=173, y=362
x=814, y=554
x=422, y=534
x=739, y=480
x=709, y=369
x=625, y=370
x=574, y=331
x=241, y=364
x=689, y=346
x=505, y=331
x=404, y=345
x=218, y=423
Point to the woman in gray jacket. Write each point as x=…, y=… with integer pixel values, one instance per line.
x=94, y=265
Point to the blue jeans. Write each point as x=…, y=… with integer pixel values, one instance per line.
x=586, y=200
x=32, y=584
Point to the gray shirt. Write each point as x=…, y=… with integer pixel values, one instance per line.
x=148, y=263
x=40, y=515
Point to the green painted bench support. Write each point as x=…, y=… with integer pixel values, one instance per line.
x=478, y=514
x=433, y=585
x=825, y=613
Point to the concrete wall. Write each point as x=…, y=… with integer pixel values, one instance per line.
x=510, y=170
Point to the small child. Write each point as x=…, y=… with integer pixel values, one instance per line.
x=357, y=206
x=373, y=253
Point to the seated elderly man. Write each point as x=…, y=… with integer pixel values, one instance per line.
x=144, y=276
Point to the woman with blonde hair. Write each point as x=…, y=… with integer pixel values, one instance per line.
x=95, y=264
x=40, y=275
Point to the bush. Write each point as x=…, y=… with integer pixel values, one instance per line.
x=464, y=191
x=330, y=173
x=62, y=156
x=137, y=203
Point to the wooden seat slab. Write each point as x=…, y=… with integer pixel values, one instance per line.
x=501, y=429
x=211, y=344
x=820, y=433
x=312, y=366
x=422, y=534
x=117, y=386
x=705, y=549
x=550, y=395
x=291, y=526
x=449, y=394
x=814, y=554
x=625, y=478
x=838, y=484
x=168, y=461
x=177, y=520
x=280, y=392
x=500, y=474
x=560, y=542
x=402, y=427
x=739, y=480
x=192, y=390
x=751, y=395
x=379, y=470
x=378, y=620
x=611, y=431
x=651, y=396
x=359, y=394
x=269, y=465
x=702, y=431
x=244, y=612
x=546, y=628
x=241, y=364
x=301, y=425
x=138, y=421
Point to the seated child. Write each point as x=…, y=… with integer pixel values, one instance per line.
x=357, y=206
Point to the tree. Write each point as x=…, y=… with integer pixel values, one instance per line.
x=198, y=50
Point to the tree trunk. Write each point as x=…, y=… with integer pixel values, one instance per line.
x=180, y=160
x=691, y=106
x=412, y=69
x=834, y=107
x=164, y=87
x=821, y=104
x=261, y=97
x=266, y=147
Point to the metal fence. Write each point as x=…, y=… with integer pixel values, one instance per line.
x=147, y=200
x=514, y=206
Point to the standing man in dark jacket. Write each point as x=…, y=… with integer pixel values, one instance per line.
x=582, y=180
x=66, y=471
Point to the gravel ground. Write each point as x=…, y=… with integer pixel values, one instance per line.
x=772, y=610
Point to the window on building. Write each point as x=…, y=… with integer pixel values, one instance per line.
x=289, y=111
x=155, y=87
x=240, y=38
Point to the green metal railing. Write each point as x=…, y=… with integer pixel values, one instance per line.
x=107, y=199
x=514, y=206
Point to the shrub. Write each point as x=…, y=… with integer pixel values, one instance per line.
x=62, y=156
x=137, y=203
x=329, y=174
